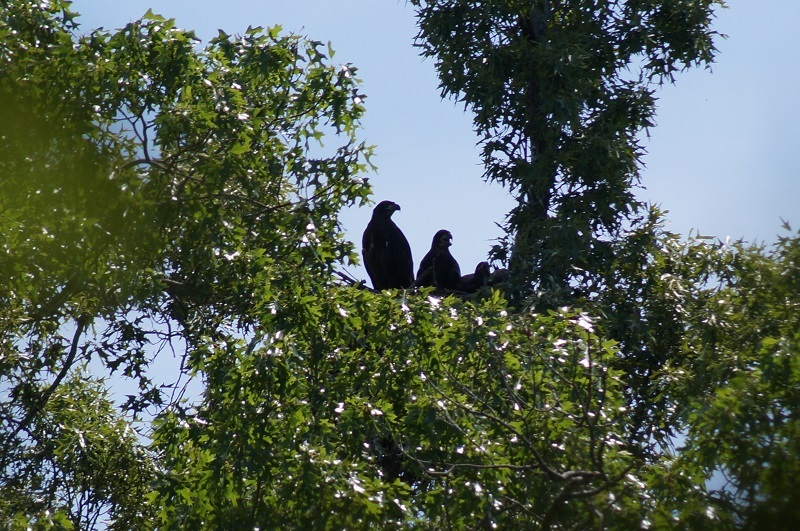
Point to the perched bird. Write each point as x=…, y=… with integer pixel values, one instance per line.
x=499, y=276
x=387, y=255
x=439, y=268
x=474, y=281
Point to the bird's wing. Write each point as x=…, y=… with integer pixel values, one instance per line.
x=406, y=261
x=370, y=253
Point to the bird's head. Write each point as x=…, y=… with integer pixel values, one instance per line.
x=385, y=209
x=442, y=239
x=482, y=270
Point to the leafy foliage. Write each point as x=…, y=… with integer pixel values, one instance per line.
x=386, y=412
x=83, y=465
x=560, y=92
x=745, y=428
x=162, y=199
x=143, y=181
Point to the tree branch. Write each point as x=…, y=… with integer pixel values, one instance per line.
x=82, y=322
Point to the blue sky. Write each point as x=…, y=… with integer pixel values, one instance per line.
x=723, y=158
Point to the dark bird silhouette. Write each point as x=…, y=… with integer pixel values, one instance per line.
x=387, y=255
x=474, y=281
x=499, y=276
x=438, y=268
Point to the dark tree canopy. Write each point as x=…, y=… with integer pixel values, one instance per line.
x=386, y=252
x=438, y=267
x=560, y=91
